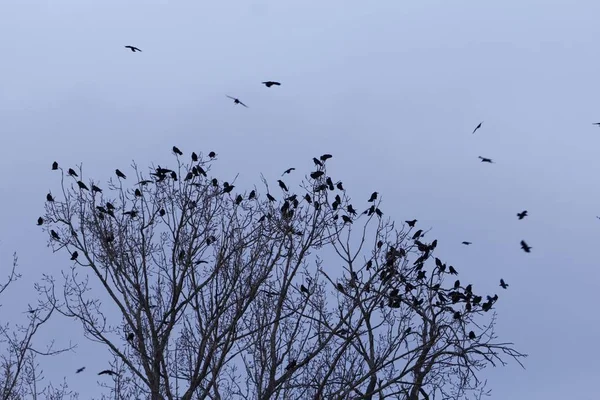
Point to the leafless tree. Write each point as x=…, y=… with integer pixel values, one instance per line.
x=18, y=370
x=202, y=291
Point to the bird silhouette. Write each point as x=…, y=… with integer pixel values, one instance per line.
x=177, y=151
x=411, y=223
x=107, y=372
x=40, y=221
x=417, y=234
x=54, y=165
x=351, y=209
x=477, y=127
x=287, y=171
x=525, y=247
x=339, y=186
x=49, y=197
x=373, y=197
x=79, y=370
x=316, y=174
x=238, y=199
x=271, y=198
x=228, y=188
x=212, y=154
x=74, y=256
x=96, y=189
x=325, y=157
x=194, y=157
x=54, y=235
x=317, y=162
x=522, y=214
x=452, y=271
x=487, y=160
x=130, y=336
x=271, y=83
x=138, y=193
x=252, y=195
x=304, y=289
x=72, y=172
x=82, y=185
x=236, y=101
x=472, y=335
x=467, y=243
x=120, y=174
x=503, y=284
x=132, y=48
x=346, y=219
x=282, y=185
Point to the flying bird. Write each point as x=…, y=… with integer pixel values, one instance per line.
x=487, y=160
x=132, y=48
x=477, y=127
x=120, y=174
x=80, y=370
x=271, y=83
x=54, y=165
x=236, y=101
x=107, y=372
x=467, y=243
x=596, y=123
x=287, y=171
x=522, y=214
x=503, y=284
x=525, y=247
x=325, y=157
x=411, y=223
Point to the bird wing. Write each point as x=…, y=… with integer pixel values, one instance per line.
x=243, y=104
x=233, y=98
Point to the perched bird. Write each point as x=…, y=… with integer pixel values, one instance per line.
x=477, y=127
x=49, y=197
x=339, y=186
x=228, y=188
x=252, y=195
x=303, y=289
x=487, y=160
x=74, y=256
x=287, y=171
x=130, y=336
x=325, y=157
x=177, y=151
x=373, y=197
x=82, y=185
x=411, y=223
x=54, y=165
x=271, y=198
x=525, y=247
x=467, y=243
x=96, y=189
x=236, y=101
x=132, y=48
x=346, y=219
x=472, y=335
x=417, y=234
x=522, y=214
x=40, y=221
x=282, y=185
x=351, y=209
x=138, y=193
x=503, y=284
x=316, y=174
x=212, y=154
x=54, y=235
x=271, y=83
x=452, y=271
x=72, y=172
x=317, y=162
x=80, y=370
x=120, y=174
x=107, y=372
x=194, y=157
x=238, y=199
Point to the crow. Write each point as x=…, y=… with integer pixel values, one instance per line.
x=82, y=185
x=238, y=199
x=49, y=197
x=503, y=284
x=74, y=256
x=107, y=372
x=212, y=154
x=96, y=189
x=228, y=188
x=452, y=270
x=236, y=101
x=72, y=172
x=411, y=223
x=177, y=151
x=138, y=193
x=325, y=157
x=40, y=221
x=346, y=219
x=339, y=186
x=467, y=243
x=189, y=176
x=194, y=157
x=417, y=234
x=54, y=165
x=174, y=175
x=271, y=198
x=304, y=289
x=282, y=185
x=132, y=48
x=252, y=195
x=487, y=160
x=525, y=247
x=271, y=83
x=316, y=174
x=351, y=209
x=478, y=126
x=522, y=214
x=120, y=174
x=287, y=171
x=130, y=336
x=373, y=197
x=378, y=212
x=317, y=162
x=80, y=370
x=54, y=235
x=162, y=212
x=472, y=335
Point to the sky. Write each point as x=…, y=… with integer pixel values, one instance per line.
x=393, y=89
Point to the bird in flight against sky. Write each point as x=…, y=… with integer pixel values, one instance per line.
x=132, y=48
x=271, y=83
x=237, y=101
x=522, y=214
x=526, y=248
x=478, y=126
x=487, y=160
x=467, y=243
x=596, y=123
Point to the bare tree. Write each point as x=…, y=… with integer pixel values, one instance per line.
x=199, y=291
x=18, y=370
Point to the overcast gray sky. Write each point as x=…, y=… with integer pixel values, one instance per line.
x=393, y=89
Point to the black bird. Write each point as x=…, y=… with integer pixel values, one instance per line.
x=316, y=174
x=467, y=243
x=132, y=48
x=487, y=160
x=40, y=221
x=96, y=189
x=525, y=247
x=351, y=209
x=177, y=151
x=72, y=172
x=282, y=185
x=228, y=188
x=472, y=335
x=54, y=165
x=54, y=235
x=252, y=195
x=417, y=234
x=120, y=174
x=131, y=213
x=271, y=198
x=596, y=123
x=522, y=214
x=373, y=197
x=144, y=182
x=130, y=336
x=457, y=315
x=215, y=182
x=138, y=192
x=74, y=256
x=325, y=157
x=271, y=83
x=503, y=284
x=340, y=287
x=212, y=154
x=107, y=372
x=304, y=289
x=329, y=183
x=317, y=162
x=457, y=284
x=189, y=176
x=478, y=126
x=239, y=199
x=237, y=101
x=80, y=370
x=411, y=223
x=339, y=186
x=452, y=270
x=307, y=198
x=291, y=365
x=174, y=175
x=49, y=197
x=378, y=212
x=162, y=212
x=82, y=185
x=346, y=219
x=287, y=171
x=194, y=157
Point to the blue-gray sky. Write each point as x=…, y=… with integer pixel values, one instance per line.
x=393, y=89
